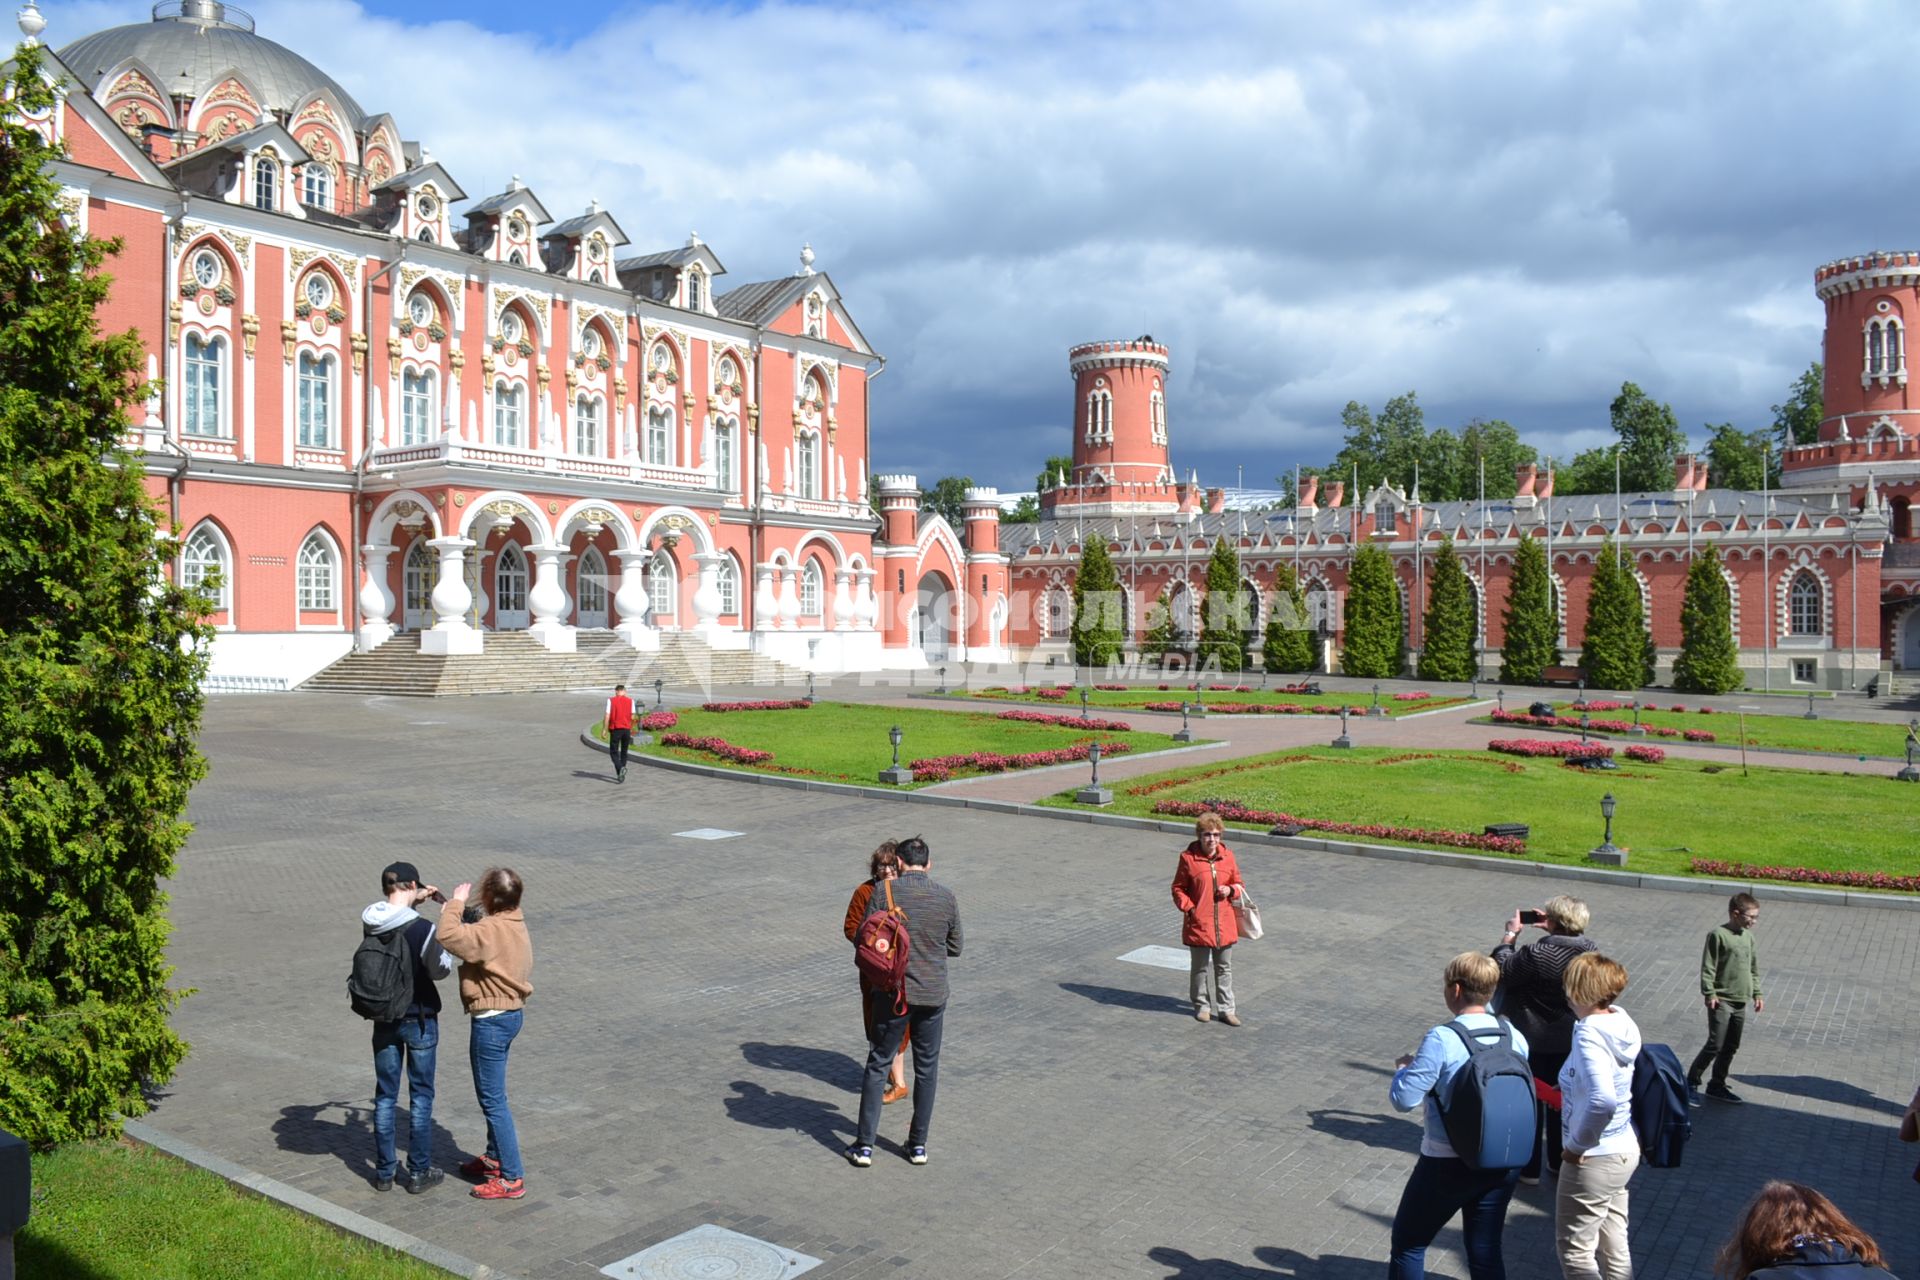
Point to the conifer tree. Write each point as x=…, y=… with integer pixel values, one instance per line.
x=100, y=666
x=1161, y=637
x=1448, y=650
x=1096, y=607
x=1709, y=660
x=1224, y=616
x=1376, y=644
x=1615, y=650
x=1288, y=642
x=1531, y=625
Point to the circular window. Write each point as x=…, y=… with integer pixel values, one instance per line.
x=727, y=373
x=206, y=268
x=420, y=310
x=662, y=359
x=510, y=327
x=426, y=206
x=1883, y=306
x=596, y=248
x=516, y=228
x=590, y=344
x=319, y=291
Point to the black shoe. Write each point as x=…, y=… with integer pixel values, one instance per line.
x=383, y=1184
x=1693, y=1094
x=1723, y=1094
x=425, y=1180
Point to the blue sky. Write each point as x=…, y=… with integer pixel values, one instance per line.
x=1508, y=206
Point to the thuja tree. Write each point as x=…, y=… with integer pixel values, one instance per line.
x=1447, y=651
x=1288, y=642
x=1709, y=660
x=1615, y=650
x=100, y=666
x=1376, y=645
x=1226, y=613
x=1096, y=607
x=1530, y=626
x=1161, y=635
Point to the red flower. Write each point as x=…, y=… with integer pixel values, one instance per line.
x=659, y=720
x=794, y=704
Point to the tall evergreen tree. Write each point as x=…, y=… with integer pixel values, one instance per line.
x=1448, y=649
x=1226, y=612
x=1615, y=650
x=1162, y=636
x=1531, y=625
x=1650, y=437
x=1798, y=420
x=100, y=664
x=1288, y=642
x=1376, y=644
x=1096, y=607
x=1709, y=660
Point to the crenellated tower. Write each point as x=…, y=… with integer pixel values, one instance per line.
x=1120, y=459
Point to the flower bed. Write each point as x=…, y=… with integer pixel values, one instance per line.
x=1698, y=735
x=1598, y=726
x=945, y=767
x=790, y=704
x=716, y=747
x=1067, y=721
x=1541, y=748
x=1645, y=754
x=654, y=721
x=1112, y=688
x=1411, y=697
x=1806, y=875
x=1234, y=811
x=1051, y=695
x=1253, y=708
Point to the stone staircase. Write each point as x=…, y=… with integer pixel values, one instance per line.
x=514, y=662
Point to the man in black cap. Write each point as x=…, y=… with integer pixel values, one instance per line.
x=411, y=1040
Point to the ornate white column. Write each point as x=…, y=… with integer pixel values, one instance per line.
x=766, y=606
x=866, y=604
x=376, y=599
x=548, y=599
x=706, y=595
x=451, y=599
x=790, y=599
x=477, y=585
x=843, y=609
x=636, y=627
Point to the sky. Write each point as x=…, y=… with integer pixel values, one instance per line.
x=1509, y=208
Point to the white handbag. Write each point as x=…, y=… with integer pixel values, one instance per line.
x=1248, y=914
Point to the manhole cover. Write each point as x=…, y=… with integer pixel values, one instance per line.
x=711, y=1253
x=1159, y=957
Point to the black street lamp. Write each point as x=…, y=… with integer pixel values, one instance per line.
x=1476, y=688
x=1084, y=692
x=1583, y=725
x=1343, y=741
x=1186, y=731
x=809, y=686
x=1500, y=697
x=943, y=681
x=658, y=700
x=1636, y=717
x=1910, y=774
x=1811, y=713
x=896, y=775
x=1608, y=852
x=1093, y=792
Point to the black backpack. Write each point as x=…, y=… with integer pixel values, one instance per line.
x=1661, y=1119
x=1489, y=1110
x=380, y=985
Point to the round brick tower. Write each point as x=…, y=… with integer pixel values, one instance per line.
x=1119, y=432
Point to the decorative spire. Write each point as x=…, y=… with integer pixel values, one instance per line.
x=593, y=206
x=693, y=239
x=806, y=259
x=516, y=184
x=32, y=23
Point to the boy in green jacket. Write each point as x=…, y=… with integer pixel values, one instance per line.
x=1729, y=982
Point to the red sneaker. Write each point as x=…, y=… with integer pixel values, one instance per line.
x=481, y=1167
x=498, y=1188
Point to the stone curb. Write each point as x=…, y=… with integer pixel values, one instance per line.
x=313, y=1206
x=1773, y=889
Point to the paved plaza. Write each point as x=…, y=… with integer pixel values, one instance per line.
x=692, y=1050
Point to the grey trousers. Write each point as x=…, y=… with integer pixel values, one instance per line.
x=1221, y=961
x=1724, y=1026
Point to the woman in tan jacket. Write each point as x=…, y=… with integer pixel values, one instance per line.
x=496, y=977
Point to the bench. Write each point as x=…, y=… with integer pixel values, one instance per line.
x=1562, y=675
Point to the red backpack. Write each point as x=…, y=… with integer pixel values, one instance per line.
x=880, y=950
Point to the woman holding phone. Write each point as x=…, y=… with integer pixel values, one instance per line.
x=496, y=977
x=1533, y=998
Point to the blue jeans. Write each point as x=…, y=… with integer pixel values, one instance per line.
x=1440, y=1187
x=487, y=1047
x=888, y=1026
x=414, y=1040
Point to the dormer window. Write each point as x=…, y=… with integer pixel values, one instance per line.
x=594, y=277
x=266, y=182
x=1386, y=517
x=426, y=206
x=316, y=186
x=693, y=291
x=426, y=234
x=516, y=228
x=517, y=258
x=596, y=249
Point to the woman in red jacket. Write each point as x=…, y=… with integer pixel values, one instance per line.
x=1205, y=882
x=882, y=867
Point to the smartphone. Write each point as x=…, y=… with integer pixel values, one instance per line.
x=1529, y=916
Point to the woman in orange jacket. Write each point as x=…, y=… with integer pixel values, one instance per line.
x=1205, y=882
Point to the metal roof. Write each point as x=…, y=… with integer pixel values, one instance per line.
x=749, y=301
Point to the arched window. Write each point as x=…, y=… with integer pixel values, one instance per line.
x=663, y=585
x=1100, y=416
x=266, y=182
x=695, y=281
x=426, y=234
x=1385, y=518
x=416, y=406
x=510, y=585
x=1158, y=409
x=517, y=258
x=416, y=585
x=810, y=578
x=317, y=575
x=1886, y=348
x=206, y=370
x=586, y=426
x=659, y=435
x=728, y=580
x=1804, y=611
x=316, y=186
x=723, y=469
x=507, y=415
x=1059, y=618
x=316, y=401
x=203, y=557
x=806, y=450
x=591, y=588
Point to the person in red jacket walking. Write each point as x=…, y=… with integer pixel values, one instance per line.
x=619, y=730
x=1205, y=882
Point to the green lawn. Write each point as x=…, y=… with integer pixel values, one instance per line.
x=104, y=1211
x=1769, y=729
x=1140, y=695
x=847, y=742
x=1666, y=812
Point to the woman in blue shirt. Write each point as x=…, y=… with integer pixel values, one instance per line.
x=1442, y=1183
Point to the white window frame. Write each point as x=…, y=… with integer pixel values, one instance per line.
x=417, y=388
x=694, y=279
x=1158, y=409
x=811, y=583
x=314, y=401
x=205, y=550
x=266, y=184
x=509, y=418
x=590, y=584
x=316, y=186
x=659, y=442
x=806, y=463
x=723, y=458
x=1802, y=604
x=663, y=585
x=588, y=441
x=316, y=576
x=202, y=393
x=728, y=583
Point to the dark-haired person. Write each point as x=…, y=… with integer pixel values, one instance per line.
x=1729, y=983
x=882, y=867
x=619, y=721
x=1599, y=1148
x=933, y=934
x=1792, y=1232
x=496, y=977
x=414, y=1040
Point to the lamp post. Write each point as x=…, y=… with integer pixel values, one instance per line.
x=1580, y=698
x=1186, y=732
x=896, y=775
x=1500, y=699
x=1476, y=688
x=1743, y=738
x=659, y=700
x=1376, y=701
x=809, y=687
x=1910, y=774
x=943, y=681
x=1084, y=693
x=1636, y=730
x=1343, y=741
x=1093, y=792
x=1811, y=713
x=1608, y=853
x=1583, y=726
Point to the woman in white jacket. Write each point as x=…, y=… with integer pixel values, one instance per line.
x=1596, y=1124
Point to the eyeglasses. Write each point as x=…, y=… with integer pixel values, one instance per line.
x=1211, y=835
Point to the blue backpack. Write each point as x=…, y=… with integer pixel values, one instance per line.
x=1661, y=1119
x=1489, y=1111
